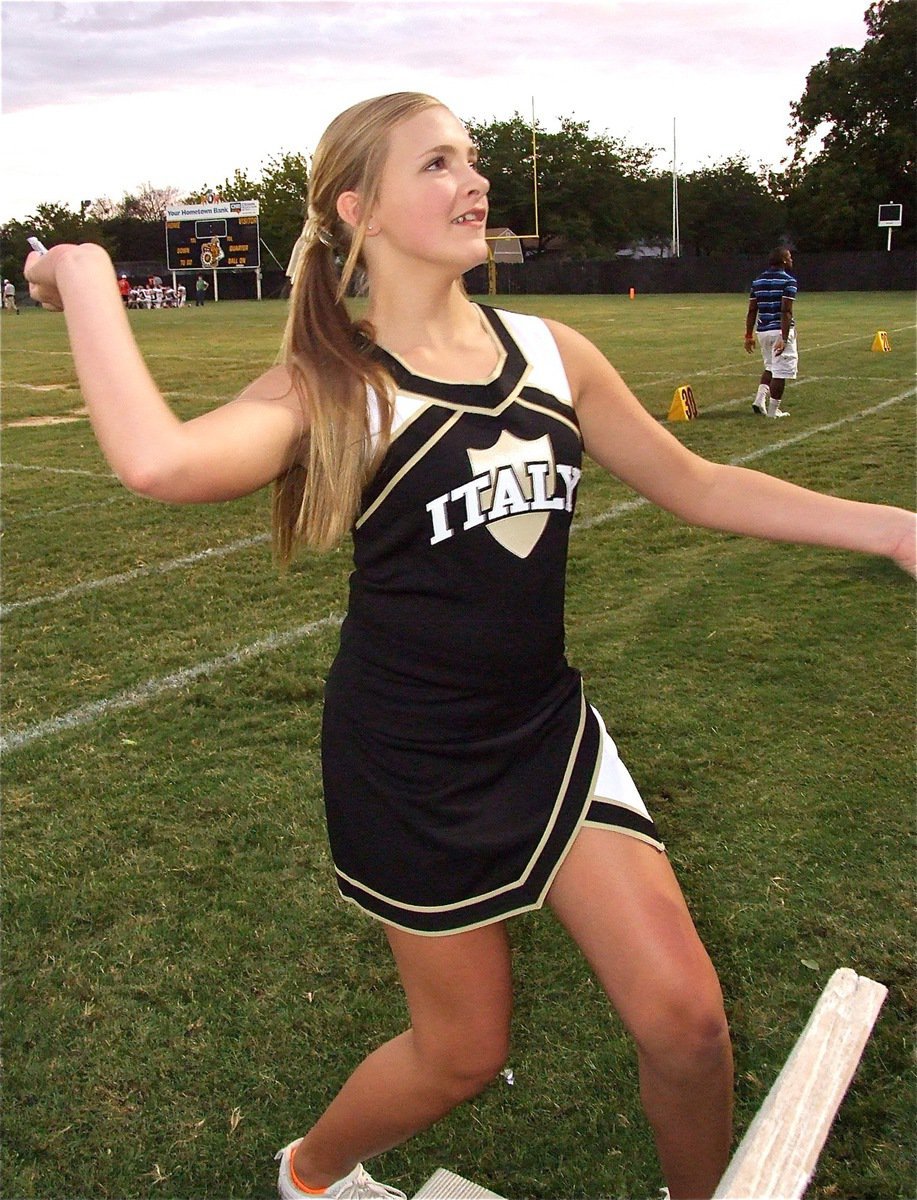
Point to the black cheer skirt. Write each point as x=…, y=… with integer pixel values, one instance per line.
x=436, y=834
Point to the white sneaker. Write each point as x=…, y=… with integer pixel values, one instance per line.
x=358, y=1185
x=779, y=413
x=759, y=407
x=774, y=409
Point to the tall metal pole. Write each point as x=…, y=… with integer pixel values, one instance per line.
x=534, y=168
x=676, y=232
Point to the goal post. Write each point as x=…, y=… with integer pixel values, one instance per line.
x=503, y=245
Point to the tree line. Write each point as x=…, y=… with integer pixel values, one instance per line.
x=851, y=148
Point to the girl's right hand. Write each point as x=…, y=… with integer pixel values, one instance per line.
x=41, y=274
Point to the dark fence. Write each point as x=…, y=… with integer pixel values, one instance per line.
x=232, y=284
x=867, y=271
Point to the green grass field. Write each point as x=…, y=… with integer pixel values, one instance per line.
x=184, y=990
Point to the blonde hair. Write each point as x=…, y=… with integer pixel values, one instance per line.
x=327, y=353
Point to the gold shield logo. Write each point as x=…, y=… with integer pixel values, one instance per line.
x=512, y=489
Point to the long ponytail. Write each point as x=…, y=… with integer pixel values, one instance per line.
x=329, y=354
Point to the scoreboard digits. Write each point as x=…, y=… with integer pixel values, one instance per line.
x=218, y=236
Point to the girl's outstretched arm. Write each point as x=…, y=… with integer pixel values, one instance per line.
x=225, y=453
x=621, y=436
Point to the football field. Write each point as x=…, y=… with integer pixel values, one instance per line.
x=183, y=988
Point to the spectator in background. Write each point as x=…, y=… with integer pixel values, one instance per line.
x=9, y=296
x=770, y=316
x=124, y=287
x=200, y=291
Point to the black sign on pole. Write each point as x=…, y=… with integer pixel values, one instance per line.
x=890, y=217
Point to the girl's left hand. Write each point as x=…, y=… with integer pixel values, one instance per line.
x=904, y=551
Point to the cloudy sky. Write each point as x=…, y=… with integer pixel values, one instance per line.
x=99, y=99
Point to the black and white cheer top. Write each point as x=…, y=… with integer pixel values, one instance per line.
x=459, y=755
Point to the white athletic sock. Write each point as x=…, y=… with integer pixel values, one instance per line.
x=764, y=394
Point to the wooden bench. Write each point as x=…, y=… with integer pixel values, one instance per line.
x=777, y=1156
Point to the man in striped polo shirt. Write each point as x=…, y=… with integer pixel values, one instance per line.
x=770, y=315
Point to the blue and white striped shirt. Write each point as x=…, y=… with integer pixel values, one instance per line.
x=768, y=291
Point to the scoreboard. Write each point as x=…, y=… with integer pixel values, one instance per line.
x=212, y=237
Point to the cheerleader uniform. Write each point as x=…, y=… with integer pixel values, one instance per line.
x=460, y=757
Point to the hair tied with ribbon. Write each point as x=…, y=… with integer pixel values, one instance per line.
x=315, y=231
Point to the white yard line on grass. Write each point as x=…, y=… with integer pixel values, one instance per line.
x=13, y=466
x=69, y=386
x=831, y=425
x=56, y=512
x=754, y=360
x=148, y=354
x=88, y=713
x=208, y=554
x=746, y=397
x=31, y=351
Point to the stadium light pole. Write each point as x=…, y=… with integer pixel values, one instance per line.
x=534, y=169
x=676, y=232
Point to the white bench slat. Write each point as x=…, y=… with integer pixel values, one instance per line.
x=778, y=1155
x=444, y=1185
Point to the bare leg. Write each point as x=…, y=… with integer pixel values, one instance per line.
x=620, y=901
x=459, y=993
